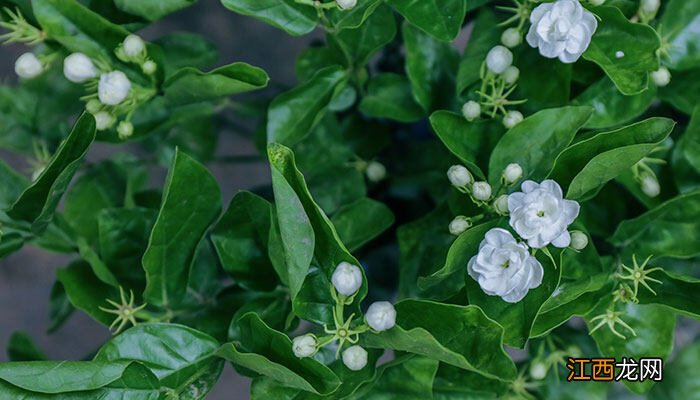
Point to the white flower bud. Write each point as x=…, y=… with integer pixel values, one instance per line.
x=501, y=204
x=78, y=68
x=538, y=370
x=149, y=67
x=481, y=191
x=511, y=37
x=355, y=358
x=381, y=316
x=512, y=118
x=125, y=129
x=93, y=106
x=346, y=4
x=596, y=3
x=459, y=225
x=498, y=59
x=661, y=77
x=134, y=46
x=375, y=171
x=459, y=176
x=38, y=171
x=471, y=110
x=304, y=346
x=579, y=240
x=650, y=6
x=28, y=66
x=650, y=185
x=512, y=173
x=347, y=278
x=103, y=120
x=511, y=74
x=113, y=88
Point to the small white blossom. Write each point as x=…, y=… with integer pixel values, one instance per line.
x=498, y=59
x=103, y=120
x=511, y=74
x=512, y=173
x=562, y=29
x=471, y=110
x=381, y=316
x=650, y=7
x=512, y=118
x=538, y=370
x=78, y=68
x=511, y=37
x=149, y=67
x=346, y=4
x=375, y=171
x=28, y=66
x=93, y=106
x=596, y=2
x=134, y=46
x=540, y=214
x=125, y=129
x=459, y=225
x=459, y=176
x=504, y=267
x=661, y=77
x=355, y=358
x=114, y=87
x=501, y=204
x=619, y=54
x=347, y=278
x=579, y=240
x=304, y=346
x=481, y=191
x=650, y=185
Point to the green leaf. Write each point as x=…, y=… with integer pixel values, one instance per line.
x=452, y=383
x=536, y=141
x=389, y=96
x=293, y=114
x=288, y=15
x=38, y=202
x=21, y=347
x=191, y=202
x=441, y=19
x=152, y=10
x=86, y=292
x=590, y=163
x=268, y=352
x=544, y=82
x=184, y=49
x=610, y=107
x=190, y=85
x=361, y=221
x=457, y=335
x=409, y=380
x=101, y=270
x=484, y=35
x=11, y=185
x=683, y=93
x=679, y=292
x=60, y=307
x=353, y=18
x=679, y=26
x=361, y=43
x=681, y=376
x=624, y=50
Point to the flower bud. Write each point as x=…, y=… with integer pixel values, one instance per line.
x=355, y=358
x=538, y=370
x=511, y=37
x=501, y=204
x=149, y=67
x=103, y=120
x=650, y=185
x=125, y=129
x=459, y=176
x=347, y=278
x=346, y=4
x=114, y=87
x=481, y=191
x=498, y=59
x=375, y=171
x=661, y=77
x=511, y=74
x=459, y=225
x=134, y=46
x=381, y=316
x=579, y=240
x=512, y=173
x=28, y=66
x=596, y=2
x=304, y=346
x=650, y=7
x=512, y=118
x=37, y=173
x=471, y=110
x=93, y=106
x=78, y=68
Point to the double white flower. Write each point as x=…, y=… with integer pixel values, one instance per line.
x=347, y=278
x=562, y=29
x=78, y=68
x=113, y=88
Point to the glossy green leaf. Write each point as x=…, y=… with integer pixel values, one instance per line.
x=191, y=202
x=353, y=18
x=624, y=50
x=288, y=15
x=678, y=292
x=21, y=347
x=679, y=27
x=361, y=43
x=441, y=19
x=610, y=107
x=11, y=185
x=409, y=380
x=184, y=49
x=86, y=292
x=60, y=307
x=683, y=93
x=101, y=270
x=361, y=221
x=485, y=35
x=389, y=96
x=152, y=10
x=681, y=376
x=544, y=82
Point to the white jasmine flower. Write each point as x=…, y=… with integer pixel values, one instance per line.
x=512, y=118
x=304, y=346
x=346, y=4
x=650, y=185
x=347, y=278
x=471, y=110
x=28, y=66
x=511, y=74
x=538, y=370
x=103, y=120
x=113, y=88
x=459, y=176
x=459, y=225
x=375, y=171
x=498, y=59
x=540, y=214
x=381, y=316
x=579, y=240
x=355, y=358
x=481, y=191
x=78, y=68
x=125, y=129
x=134, y=46
x=562, y=29
x=504, y=267
x=149, y=67
x=650, y=7
x=512, y=173
x=511, y=37
x=501, y=204
x=661, y=77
